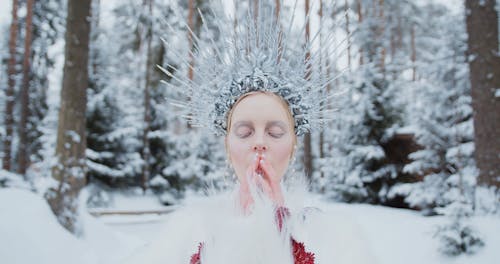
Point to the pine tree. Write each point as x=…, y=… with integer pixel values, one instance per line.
x=457, y=236
x=48, y=29
x=47, y=25
x=108, y=157
x=184, y=156
x=167, y=149
x=357, y=166
x=114, y=145
x=368, y=119
x=444, y=131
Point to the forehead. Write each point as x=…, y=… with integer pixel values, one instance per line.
x=260, y=107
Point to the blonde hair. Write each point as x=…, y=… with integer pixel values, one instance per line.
x=282, y=102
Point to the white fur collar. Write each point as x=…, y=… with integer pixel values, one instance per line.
x=231, y=237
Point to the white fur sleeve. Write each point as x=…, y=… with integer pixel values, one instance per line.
x=176, y=242
x=334, y=239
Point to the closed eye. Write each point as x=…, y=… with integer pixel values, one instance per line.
x=243, y=131
x=276, y=131
x=276, y=135
x=244, y=135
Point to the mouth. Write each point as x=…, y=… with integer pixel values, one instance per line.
x=259, y=171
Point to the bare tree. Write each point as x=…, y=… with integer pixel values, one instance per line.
x=71, y=141
x=413, y=54
x=484, y=62
x=9, y=92
x=360, y=21
x=94, y=35
x=23, y=154
x=308, y=160
x=278, y=16
x=348, y=33
x=190, y=19
x=320, y=15
x=146, y=151
x=380, y=35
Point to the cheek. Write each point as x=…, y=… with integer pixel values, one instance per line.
x=239, y=154
x=280, y=156
x=282, y=152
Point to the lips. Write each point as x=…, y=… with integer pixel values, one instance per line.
x=259, y=169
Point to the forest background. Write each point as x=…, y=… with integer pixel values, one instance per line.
x=417, y=124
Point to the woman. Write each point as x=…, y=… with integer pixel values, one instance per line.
x=260, y=146
x=254, y=93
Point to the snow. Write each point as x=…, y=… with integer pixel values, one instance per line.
x=30, y=233
x=455, y=6
x=5, y=12
x=133, y=200
x=11, y=179
x=158, y=181
x=73, y=135
x=403, y=236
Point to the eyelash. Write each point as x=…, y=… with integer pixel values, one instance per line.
x=274, y=135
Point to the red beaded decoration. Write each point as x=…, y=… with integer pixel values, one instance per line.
x=300, y=255
x=195, y=258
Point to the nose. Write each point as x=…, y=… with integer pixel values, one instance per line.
x=259, y=143
x=259, y=147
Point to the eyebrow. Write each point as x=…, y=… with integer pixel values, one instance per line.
x=268, y=124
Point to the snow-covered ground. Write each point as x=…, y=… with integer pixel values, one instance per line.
x=29, y=233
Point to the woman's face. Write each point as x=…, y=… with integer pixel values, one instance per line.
x=260, y=125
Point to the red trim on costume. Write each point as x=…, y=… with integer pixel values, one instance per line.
x=195, y=258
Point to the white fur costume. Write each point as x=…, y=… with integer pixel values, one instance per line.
x=231, y=237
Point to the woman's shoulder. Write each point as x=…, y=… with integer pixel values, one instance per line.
x=182, y=232
x=334, y=237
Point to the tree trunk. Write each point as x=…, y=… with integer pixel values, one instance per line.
x=392, y=45
x=190, y=38
x=380, y=35
x=484, y=63
x=308, y=162
x=146, y=152
x=360, y=21
x=348, y=32
x=9, y=93
x=278, y=16
x=71, y=141
x=321, y=69
x=277, y=4
x=94, y=35
x=23, y=154
x=413, y=54
x=256, y=8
